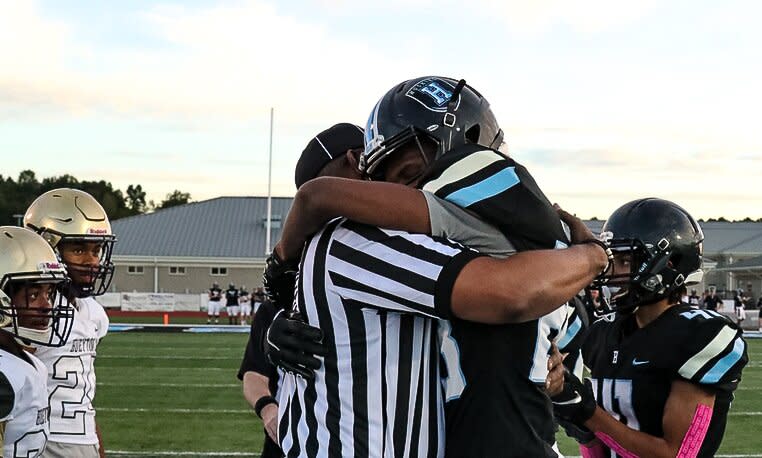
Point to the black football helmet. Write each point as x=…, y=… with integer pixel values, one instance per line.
x=447, y=111
x=657, y=249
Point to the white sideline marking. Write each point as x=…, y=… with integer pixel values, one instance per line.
x=174, y=453
x=166, y=357
x=177, y=385
x=138, y=409
x=744, y=414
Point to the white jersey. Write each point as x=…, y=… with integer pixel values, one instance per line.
x=23, y=405
x=71, y=383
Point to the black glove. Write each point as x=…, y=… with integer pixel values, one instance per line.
x=279, y=281
x=576, y=403
x=292, y=344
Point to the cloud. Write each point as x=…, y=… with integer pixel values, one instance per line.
x=223, y=62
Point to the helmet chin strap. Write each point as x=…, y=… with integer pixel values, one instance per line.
x=29, y=337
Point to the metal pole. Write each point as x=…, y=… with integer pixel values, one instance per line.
x=269, y=184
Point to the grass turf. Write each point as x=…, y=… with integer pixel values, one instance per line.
x=178, y=392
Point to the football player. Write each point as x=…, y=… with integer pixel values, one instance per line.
x=32, y=313
x=78, y=229
x=440, y=135
x=663, y=373
x=214, y=305
x=245, y=304
x=231, y=304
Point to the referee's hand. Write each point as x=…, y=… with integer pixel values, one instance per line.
x=293, y=345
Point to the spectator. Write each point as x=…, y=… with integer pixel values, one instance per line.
x=759, y=308
x=713, y=301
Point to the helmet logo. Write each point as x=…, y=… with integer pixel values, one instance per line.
x=432, y=93
x=47, y=267
x=97, y=231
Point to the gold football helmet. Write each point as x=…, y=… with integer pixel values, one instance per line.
x=70, y=216
x=29, y=269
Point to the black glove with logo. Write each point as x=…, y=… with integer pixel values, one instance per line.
x=293, y=345
x=279, y=281
x=576, y=403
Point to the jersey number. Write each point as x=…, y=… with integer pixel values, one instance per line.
x=455, y=381
x=616, y=399
x=73, y=391
x=30, y=445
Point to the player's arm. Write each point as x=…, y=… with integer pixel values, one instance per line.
x=2, y=434
x=377, y=204
x=687, y=414
x=101, y=447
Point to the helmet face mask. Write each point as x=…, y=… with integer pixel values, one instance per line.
x=70, y=217
x=446, y=111
x=32, y=306
x=88, y=279
x=657, y=250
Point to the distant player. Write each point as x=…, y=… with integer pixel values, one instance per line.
x=739, y=304
x=244, y=301
x=32, y=313
x=258, y=298
x=231, y=306
x=78, y=229
x=214, y=305
x=663, y=373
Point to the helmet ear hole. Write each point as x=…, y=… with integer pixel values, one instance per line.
x=472, y=134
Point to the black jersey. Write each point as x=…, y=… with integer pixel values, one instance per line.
x=496, y=405
x=231, y=295
x=633, y=368
x=500, y=191
x=215, y=294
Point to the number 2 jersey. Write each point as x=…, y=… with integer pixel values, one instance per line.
x=633, y=368
x=71, y=376
x=23, y=405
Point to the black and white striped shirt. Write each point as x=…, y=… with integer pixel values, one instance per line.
x=376, y=294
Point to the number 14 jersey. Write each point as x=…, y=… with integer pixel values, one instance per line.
x=633, y=368
x=71, y=376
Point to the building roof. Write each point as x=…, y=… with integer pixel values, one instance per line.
x=234, y=227
x=223, y=227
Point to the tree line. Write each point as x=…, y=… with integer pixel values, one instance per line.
x=17, y=195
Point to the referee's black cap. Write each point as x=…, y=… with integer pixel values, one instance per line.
x=325, y=147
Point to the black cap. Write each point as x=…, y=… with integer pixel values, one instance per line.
x=325, y=147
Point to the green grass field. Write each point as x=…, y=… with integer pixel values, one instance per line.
x=161, y=394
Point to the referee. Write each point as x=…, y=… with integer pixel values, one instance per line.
x=377, y=294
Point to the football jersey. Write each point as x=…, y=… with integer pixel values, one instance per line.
x=495, y=374
x=215, y=294
x=231, y=296
x=71, y=381
x=633, y=368
x=23, y=405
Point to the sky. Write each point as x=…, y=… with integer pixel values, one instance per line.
x=603, y=101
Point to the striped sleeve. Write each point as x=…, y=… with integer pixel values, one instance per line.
x=501, y=192
x=715, y=354
x=394, y=270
